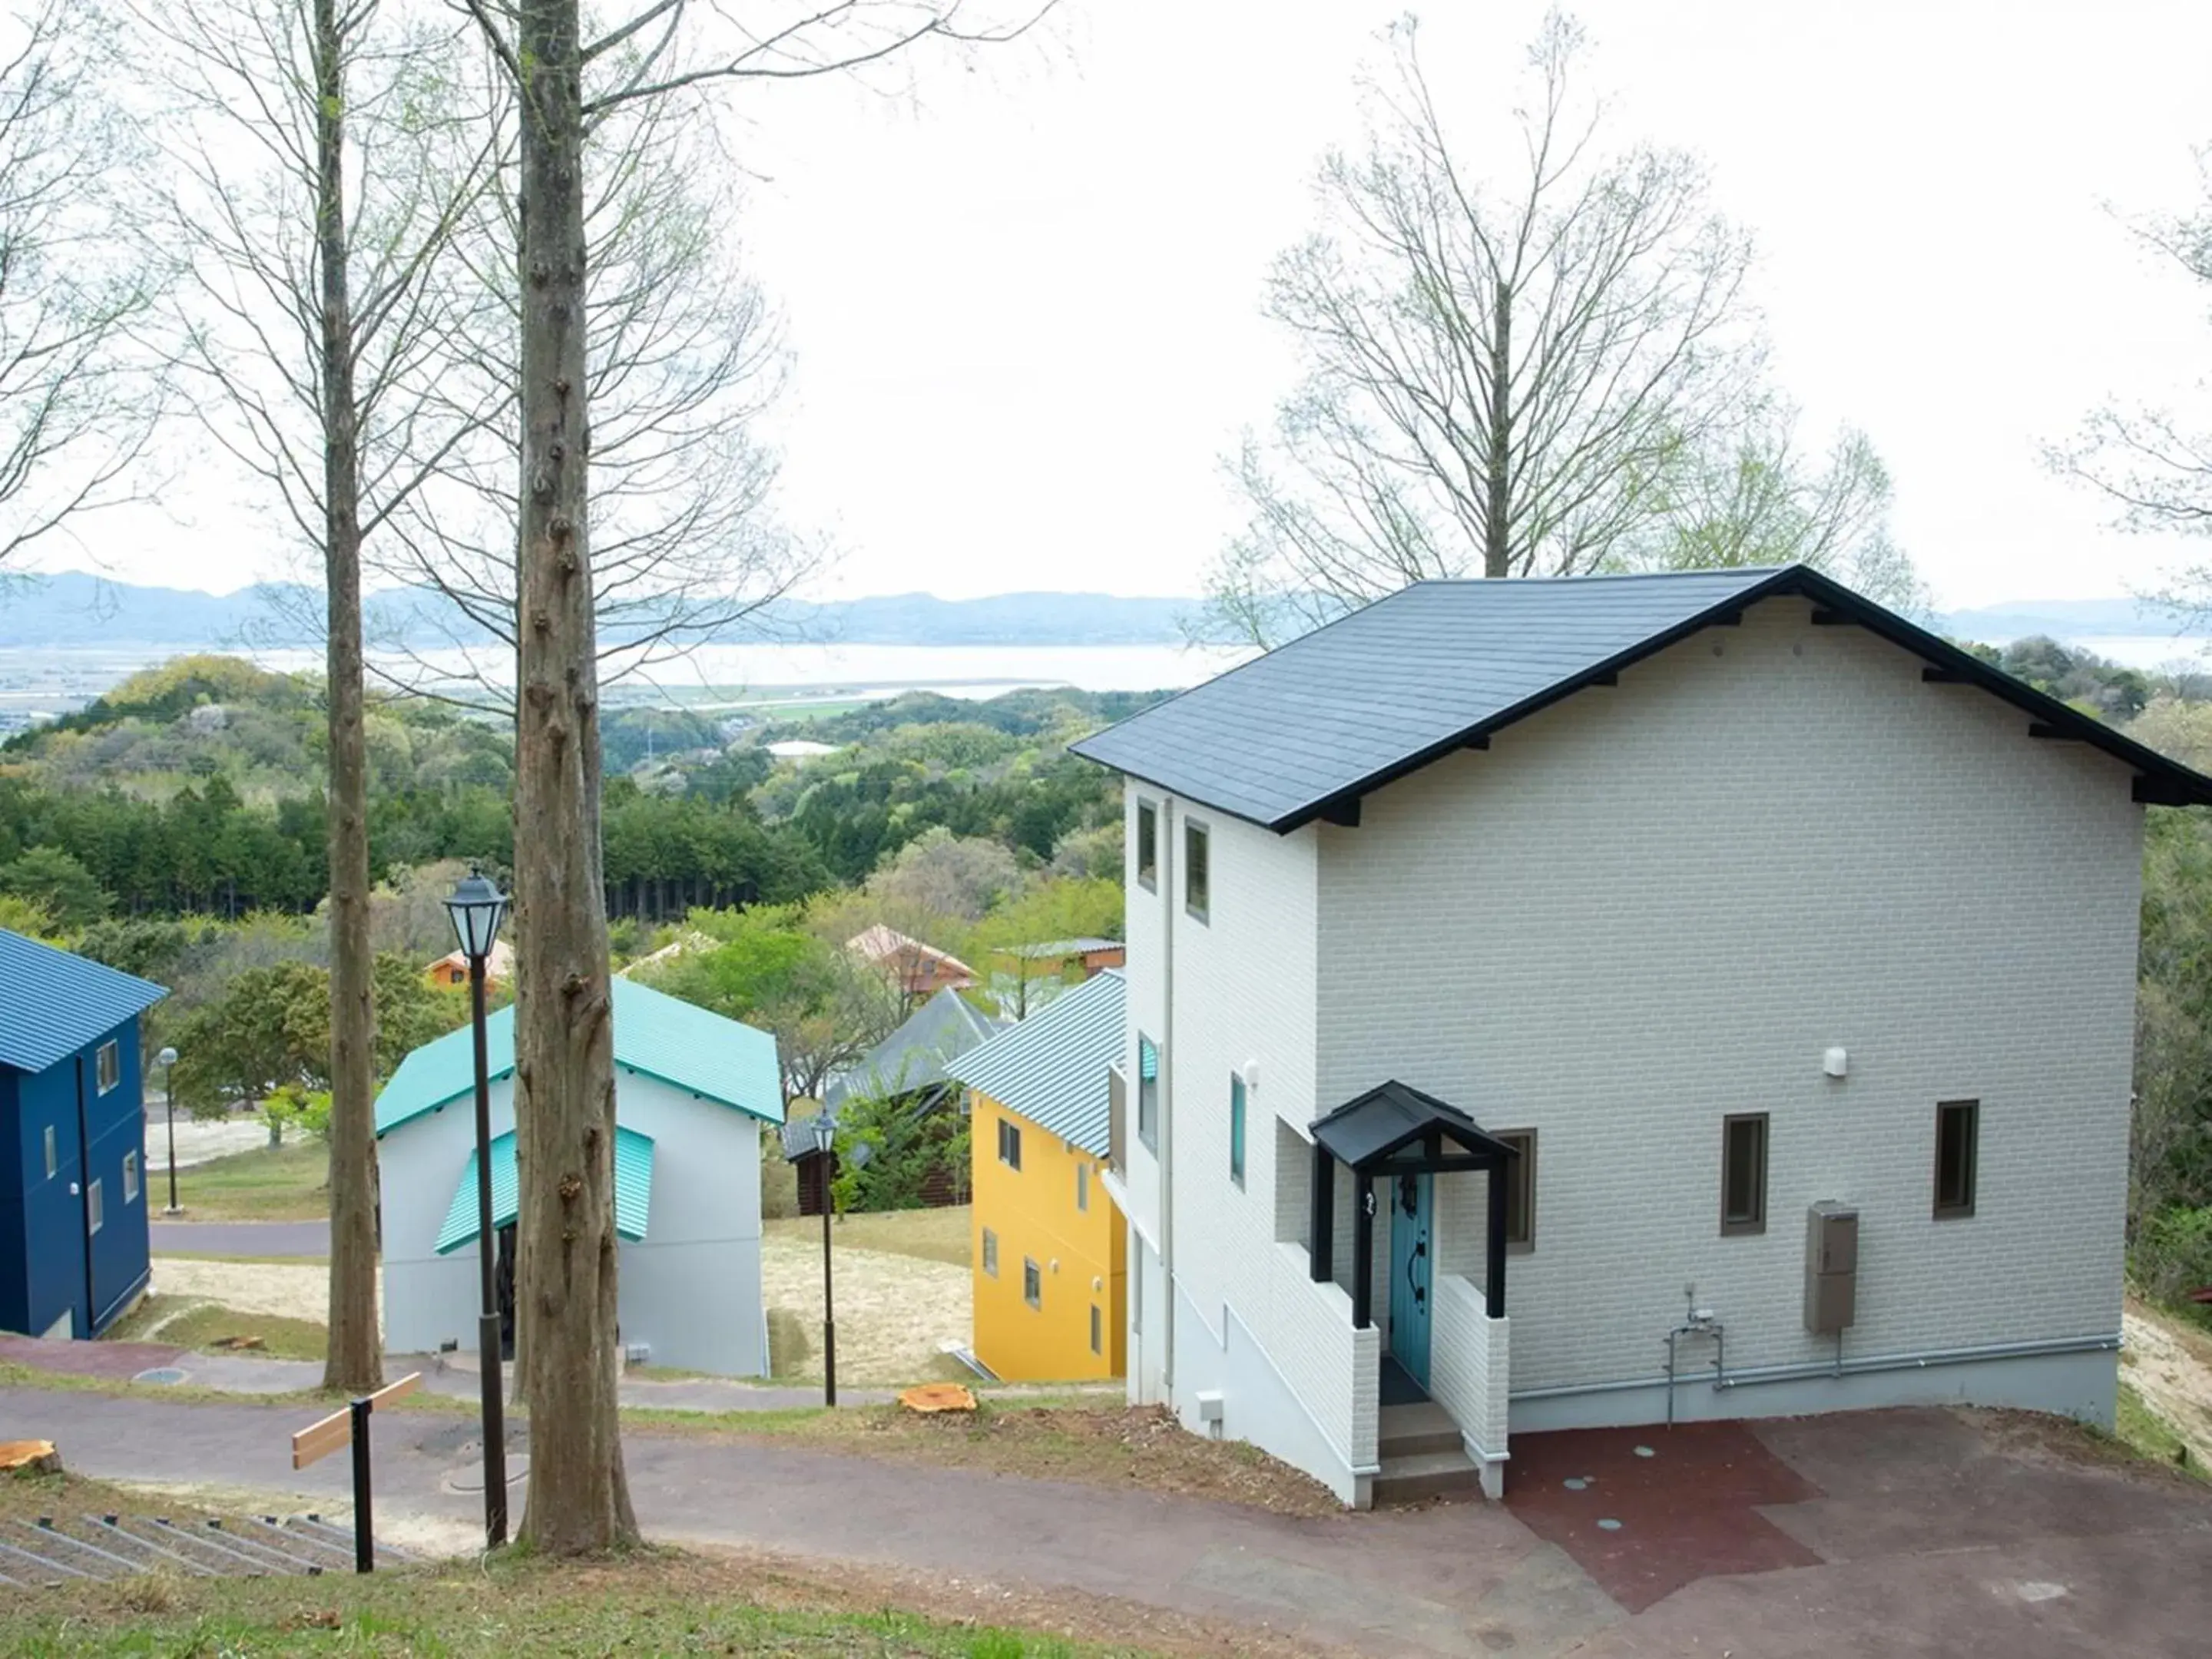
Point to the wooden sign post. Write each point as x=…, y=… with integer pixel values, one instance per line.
x=320, y=1439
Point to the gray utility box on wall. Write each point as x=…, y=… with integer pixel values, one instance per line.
x=1832, y=1267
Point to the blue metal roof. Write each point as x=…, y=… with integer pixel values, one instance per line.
x=1051, y=1068
x=655, y=1035
x=53, y=1002
x=633, y=1190
x=1304, y=731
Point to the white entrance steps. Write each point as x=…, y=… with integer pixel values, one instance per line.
x=1423, y=1456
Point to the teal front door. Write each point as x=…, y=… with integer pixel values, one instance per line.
x=1411, y=1257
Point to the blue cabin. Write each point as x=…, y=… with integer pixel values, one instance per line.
x=73, y=1246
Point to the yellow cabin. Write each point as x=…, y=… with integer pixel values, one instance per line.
x=1050, y=1248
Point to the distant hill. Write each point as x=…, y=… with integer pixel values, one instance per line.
x=79, y=609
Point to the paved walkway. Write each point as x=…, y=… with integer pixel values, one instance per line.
x=1913, y=1531
x=286, y=1238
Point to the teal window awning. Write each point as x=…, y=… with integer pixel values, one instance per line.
x=633, y=1190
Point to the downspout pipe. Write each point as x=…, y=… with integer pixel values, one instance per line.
x=1168, y=842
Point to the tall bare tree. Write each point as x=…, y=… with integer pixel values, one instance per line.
x=1495, y=371
x=310, y=314
x=683, y=358
x=578, y=1499
x=78, y=398
x=2154, y=464
x=1754, y=494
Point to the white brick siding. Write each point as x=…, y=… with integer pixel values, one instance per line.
x=1653, y=906
x=1470, y=1364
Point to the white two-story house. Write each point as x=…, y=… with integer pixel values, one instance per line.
x=1618, y=1001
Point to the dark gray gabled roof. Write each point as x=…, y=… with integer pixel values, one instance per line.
x=1304, y=730
x=1364, y=1132
x=913, y=1057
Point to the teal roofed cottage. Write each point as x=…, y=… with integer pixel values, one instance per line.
x=693, y=1093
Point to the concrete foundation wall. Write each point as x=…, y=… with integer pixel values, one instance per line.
x=2083, y=1385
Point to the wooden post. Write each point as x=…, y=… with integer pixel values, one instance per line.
x=1323, y=1242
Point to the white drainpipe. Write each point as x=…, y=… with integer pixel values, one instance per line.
x=1167, y=859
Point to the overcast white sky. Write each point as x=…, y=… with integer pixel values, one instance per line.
x=1024, y=305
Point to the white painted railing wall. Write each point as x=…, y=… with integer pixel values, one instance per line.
x=1470, y=1357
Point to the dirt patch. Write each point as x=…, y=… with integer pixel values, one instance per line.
x=2171, y=1367
x=301, y=1293
x=1141, y=1446
x=2039, y=1437
x=894, y=1313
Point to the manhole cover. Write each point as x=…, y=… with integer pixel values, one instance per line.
x=161, y=1375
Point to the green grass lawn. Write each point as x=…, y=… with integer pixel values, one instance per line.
x=209, y=1328
x=271, y=1184
x=932, y=1235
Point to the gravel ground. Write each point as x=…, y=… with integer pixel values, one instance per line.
x=894, y=1312
x=198, y=1142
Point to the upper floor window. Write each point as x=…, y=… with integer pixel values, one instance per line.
x=1148, y=1093
x=1743, y=1173
x=1010, y=1143
x=1082, y=1185
x=1148, y=845
x=108, y=1065
x=1521, y=1190
x=1196, y=884
x=990, y=1253
x=95, y=1208
x=130, y=1177
x=1236, y=1128
x=1958, y=1135
x=53, y=1152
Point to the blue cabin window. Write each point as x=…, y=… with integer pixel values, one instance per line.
x=53, y=1154
x=1236, y=1128
x=107, y=1063
x=95, y=1208
x=130, y=1177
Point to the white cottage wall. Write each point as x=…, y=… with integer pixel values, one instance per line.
x=1651, y=907
x=690, y=1290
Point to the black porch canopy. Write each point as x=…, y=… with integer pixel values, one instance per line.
x=1394, y=1129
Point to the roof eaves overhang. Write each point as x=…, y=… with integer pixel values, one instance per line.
x=2159, y=781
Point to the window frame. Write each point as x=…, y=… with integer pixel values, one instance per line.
x=1755, y=1224
x=1148, y=1096
x=130, y=1177
x=1945, y=1209
x=1082, y=1186
x=1521, y=1177
x=107, y=1067
x=1148, y=845
x=1032, y=1283
x=1009, y=1144
x=1238, y=1113
x=1197, y=859
x=1098, y=1330
x=96, y=1207
x=990, y=1254
x=53, y=1150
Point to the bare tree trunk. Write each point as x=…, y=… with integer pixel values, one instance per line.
x=354, y=1361
x=579, y=1500
x=1497, y=518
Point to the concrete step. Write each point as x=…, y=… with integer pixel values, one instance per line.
x=1414, y=1430
x=1416, y=1478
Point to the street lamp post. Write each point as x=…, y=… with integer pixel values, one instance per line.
x=476, y=907
x=167, y=1060
x=825, y=1140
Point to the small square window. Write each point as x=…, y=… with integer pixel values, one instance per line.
x=130, y=1177
x=990, y=1253
x=1148, y=1093
x=1236, y=1128
x=95, y=1208
x=53, y=1154
x=1521, y=1190
x=1197, y=883
x=1098, y=1330
x=107, y=1064
x=1148, y=846
x=1743, y=1173
x=1032, y=1284
x=1082, y=1186
x=1958, y=1135
x=1009, y=1144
